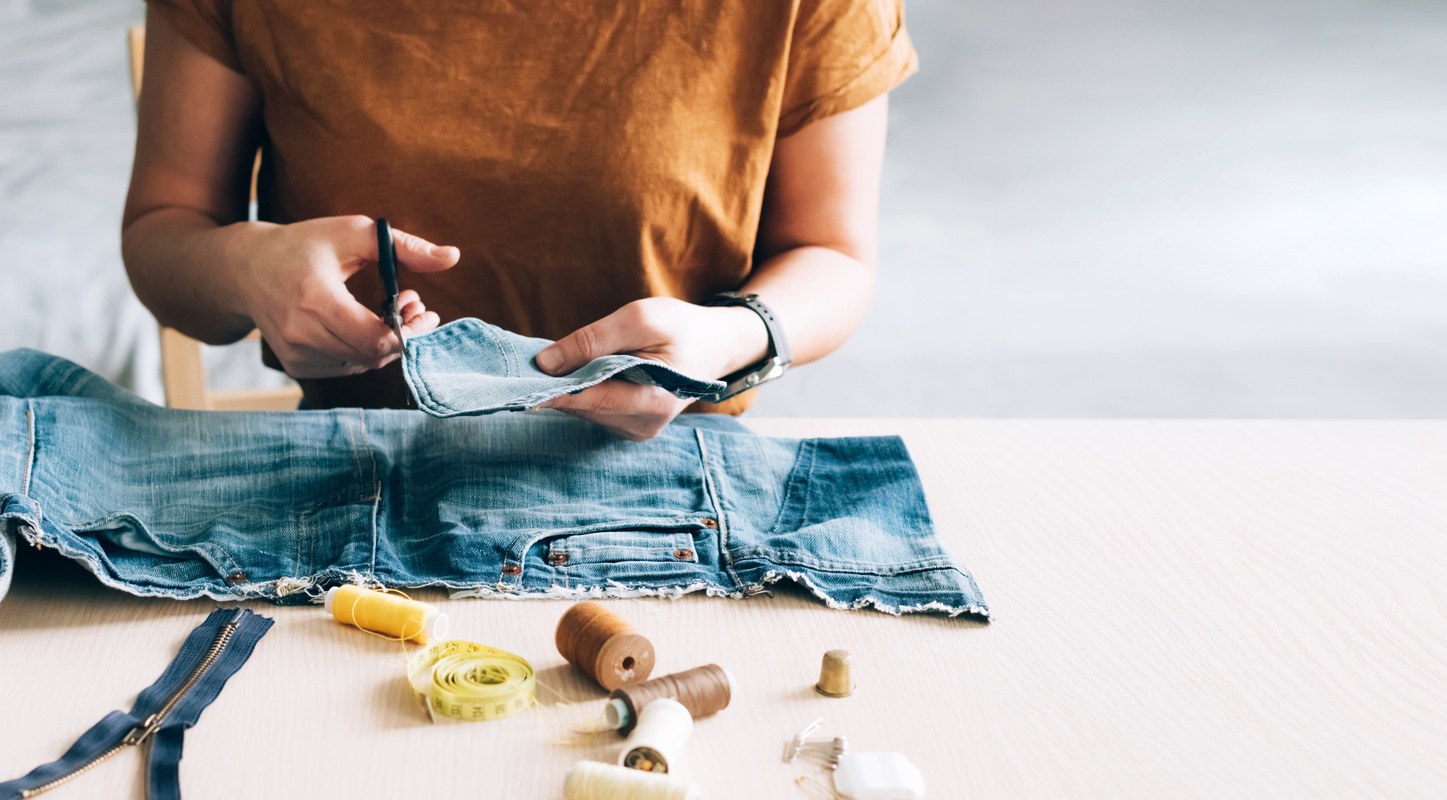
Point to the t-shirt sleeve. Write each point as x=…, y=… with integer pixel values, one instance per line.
x=843, y=54
x=204, y=23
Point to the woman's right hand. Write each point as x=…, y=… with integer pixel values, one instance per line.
x=202, y=269
x=291, y=282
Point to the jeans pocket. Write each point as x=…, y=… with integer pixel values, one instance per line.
x=605, y=547
x=653, y=556
x=138, y=556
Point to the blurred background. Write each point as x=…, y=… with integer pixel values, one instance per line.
x=1091, y=208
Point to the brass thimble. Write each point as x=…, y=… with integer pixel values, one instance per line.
x=834, y=677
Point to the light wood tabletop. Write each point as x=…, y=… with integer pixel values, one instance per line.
x=1219, y=609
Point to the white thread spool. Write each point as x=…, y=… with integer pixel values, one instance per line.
x=589, y=780
x=664, y=726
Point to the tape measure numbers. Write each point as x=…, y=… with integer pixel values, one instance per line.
x=469, y=681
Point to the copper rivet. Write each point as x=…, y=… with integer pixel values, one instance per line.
x=511, y=569
x=710, y=523
x=558, y=559
x=236, y=577
x=682, y=554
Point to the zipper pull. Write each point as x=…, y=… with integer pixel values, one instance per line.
x=143, y=731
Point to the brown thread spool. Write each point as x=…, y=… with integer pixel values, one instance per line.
x=604, y=647
x=702, y=690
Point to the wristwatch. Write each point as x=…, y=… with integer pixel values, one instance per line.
x=775, y=363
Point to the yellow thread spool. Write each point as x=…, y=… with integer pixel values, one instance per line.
x=387, y=614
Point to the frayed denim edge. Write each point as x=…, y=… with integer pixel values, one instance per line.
x=868, y=601
x=312, y=587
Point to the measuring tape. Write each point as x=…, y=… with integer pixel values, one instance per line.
x=468, y=681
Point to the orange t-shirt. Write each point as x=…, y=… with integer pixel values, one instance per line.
x=580, y=154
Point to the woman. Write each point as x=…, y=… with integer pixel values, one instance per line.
x=567, y=169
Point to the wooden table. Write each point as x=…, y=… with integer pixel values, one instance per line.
x=1184, y=609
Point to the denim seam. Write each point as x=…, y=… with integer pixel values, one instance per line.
x=755, y=553
x=510, y=354
x=437, y=400
x=806, y=448
x=677, y=520
x=711, y=490
x=303, y=536
x=342, y=498
x=809, y=486
x=376, y=497
x=420, y=384
x=352, y=439
x=522, y=561
x=30, y=448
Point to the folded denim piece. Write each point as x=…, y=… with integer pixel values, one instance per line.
x=469, y=367
x=281, y=505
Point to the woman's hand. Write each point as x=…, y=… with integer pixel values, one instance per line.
x=696, y=340
x=204, y=270
x=291, y=283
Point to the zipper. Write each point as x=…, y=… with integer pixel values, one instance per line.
x=143, y=730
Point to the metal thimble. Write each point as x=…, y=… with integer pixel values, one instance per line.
x=835, y=679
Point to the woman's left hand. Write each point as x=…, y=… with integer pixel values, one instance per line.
x=696, y=340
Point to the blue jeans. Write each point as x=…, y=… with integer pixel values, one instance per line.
x=469, y=367
x=280, y=505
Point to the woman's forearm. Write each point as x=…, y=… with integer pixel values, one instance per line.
x=818, y=294
x=180, y=263
x=818, y=226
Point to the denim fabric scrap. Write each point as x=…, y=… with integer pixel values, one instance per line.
x=469, y=367
x=281, y=505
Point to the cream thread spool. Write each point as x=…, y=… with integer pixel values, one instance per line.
x=663, y=729
x=589, y=780
x=388, y=614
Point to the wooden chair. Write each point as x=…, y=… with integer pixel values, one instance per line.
x=182, y=372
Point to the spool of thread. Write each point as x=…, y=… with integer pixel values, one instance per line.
x=663, y=729
x=589, y=780
x=702, y=690
x=387, y=614
x=604, y=647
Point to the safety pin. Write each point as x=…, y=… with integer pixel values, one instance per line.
x=794, y=745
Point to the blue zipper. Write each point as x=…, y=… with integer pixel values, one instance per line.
x=211, y=654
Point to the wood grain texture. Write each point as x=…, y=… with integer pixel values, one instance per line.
x=284, y=398
x=183, y=375
x=1184, y=609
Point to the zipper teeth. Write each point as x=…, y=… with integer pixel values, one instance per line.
x=223, y=637
x=70, y=776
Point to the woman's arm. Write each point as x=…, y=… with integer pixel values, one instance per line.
x=201, y=268
x=817, y=238
x=819, y=229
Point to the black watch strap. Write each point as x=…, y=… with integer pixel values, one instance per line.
x=776, y=360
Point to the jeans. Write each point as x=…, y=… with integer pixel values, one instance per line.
x=470, y=367
x=281, y=505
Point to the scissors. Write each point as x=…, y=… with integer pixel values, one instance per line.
x=387, y=262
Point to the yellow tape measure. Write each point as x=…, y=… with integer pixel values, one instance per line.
x=468, y=681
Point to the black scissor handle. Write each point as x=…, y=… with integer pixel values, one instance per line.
x=387, y=262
